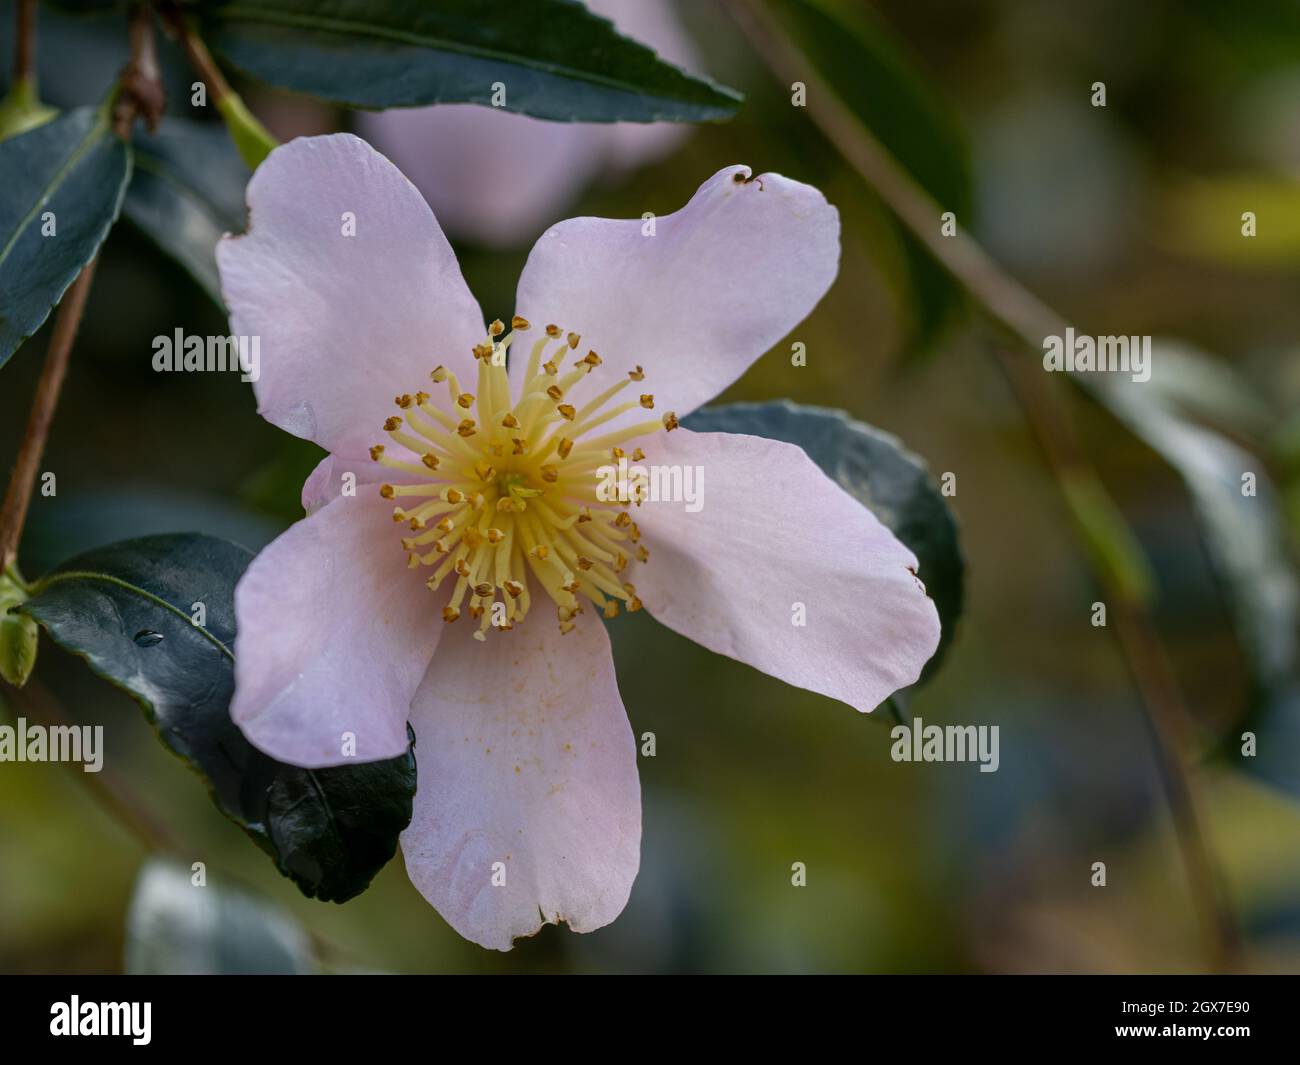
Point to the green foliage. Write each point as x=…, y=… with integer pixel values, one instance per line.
x=556, y=59
x=187, y=190
x=128, y=609
x=63, y=186
x=871, y=71
x=18, y=633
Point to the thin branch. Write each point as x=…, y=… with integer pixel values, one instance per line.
x=1010, y=303
x=37, y=702
x=140, y=93
x=22, y=481
x=198, y=55
x=25, y=42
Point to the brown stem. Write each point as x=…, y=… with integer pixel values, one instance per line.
x=40, y=704
x=1031, y=320
x=198, y=55
x=22, y=481
x=141, y=86
x=140, y=92
x=25, y=42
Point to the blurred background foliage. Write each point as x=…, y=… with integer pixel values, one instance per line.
x=1125, y=219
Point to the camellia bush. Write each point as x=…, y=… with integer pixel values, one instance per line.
x=422, y=660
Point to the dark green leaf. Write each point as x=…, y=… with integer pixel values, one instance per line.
x=188, y=189
x=877, y=471
x=76, y=170
x=177, y=928
x=871, y=71
x=556, y=59
x=127, y=610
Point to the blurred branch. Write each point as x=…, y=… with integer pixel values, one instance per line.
x=37, y=702
x=1109, y=543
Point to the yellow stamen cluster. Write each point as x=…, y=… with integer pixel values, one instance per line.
x=503, y=488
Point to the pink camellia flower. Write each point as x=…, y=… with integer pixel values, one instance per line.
x=462, y=585
x=497, y=177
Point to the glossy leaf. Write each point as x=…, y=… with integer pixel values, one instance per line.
x=554, y=58
x=63, y=185
x=128, y=609
x=188, y=190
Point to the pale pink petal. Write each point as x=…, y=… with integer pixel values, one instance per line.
x=773, y=532
x=342, y=475
x=695, y=300
x=334, y=634
x=526, y=759
x=500, y=178
x=345, y=322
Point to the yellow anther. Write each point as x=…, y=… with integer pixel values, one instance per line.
x=550, y=474
x=430, y=460
x=439, y=374
x=564, y=447
x=392, y=424
x=377, y=452
x=495, y=536
x=485, y=470
x=497, y=328
x=648, y=401
x=567, y=411
x=466, y=428
x=637, y=375
x=670, y=421
x=510, y=421
x=403, y=401
x=465, y=399
x=519, y=323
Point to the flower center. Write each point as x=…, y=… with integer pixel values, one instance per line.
x=498, y=489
